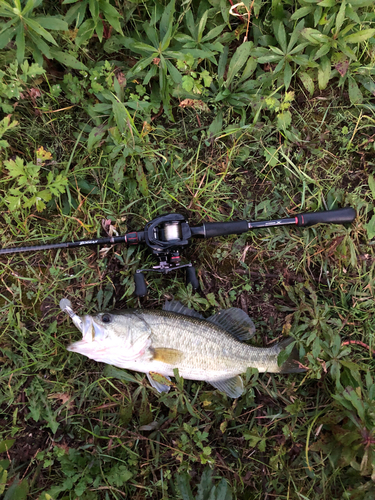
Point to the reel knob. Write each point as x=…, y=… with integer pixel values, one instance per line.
x=140, y=285
x=191, y=277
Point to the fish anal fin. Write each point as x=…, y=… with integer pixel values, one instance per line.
x=167, y=355
x=159, y=382
x=234, y=321
x=233, y=387
x=176, y=307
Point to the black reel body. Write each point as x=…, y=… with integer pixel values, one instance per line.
x=165, y=235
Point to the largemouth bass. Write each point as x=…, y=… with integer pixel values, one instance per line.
x=157, y=341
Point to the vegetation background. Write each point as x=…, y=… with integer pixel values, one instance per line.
x=123, y=110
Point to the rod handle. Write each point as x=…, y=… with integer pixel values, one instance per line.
x=212, y=229
x=339, y=216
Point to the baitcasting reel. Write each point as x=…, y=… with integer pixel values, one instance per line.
x=164, y=236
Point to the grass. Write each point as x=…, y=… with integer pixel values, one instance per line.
x=73, y=428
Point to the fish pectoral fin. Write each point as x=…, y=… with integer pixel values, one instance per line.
x=233, y=387
x=235, y=321
x=159, y=382
x=177, y=307
x=167, y=355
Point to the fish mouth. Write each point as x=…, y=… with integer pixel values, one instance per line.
x=91, y=332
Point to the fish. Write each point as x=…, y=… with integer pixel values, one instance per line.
x=155, y=342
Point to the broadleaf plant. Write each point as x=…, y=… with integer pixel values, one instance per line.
x=32, y=31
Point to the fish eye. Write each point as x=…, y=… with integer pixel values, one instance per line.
x=106, y=318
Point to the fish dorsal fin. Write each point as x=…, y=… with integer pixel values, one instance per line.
x=158, y=384
x=167, y=355
x=177, y=307
x=235, y=321
x=233, y=387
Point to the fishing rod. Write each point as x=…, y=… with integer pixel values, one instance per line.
x=167, y=234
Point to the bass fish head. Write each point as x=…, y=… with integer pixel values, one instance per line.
x=113, y=338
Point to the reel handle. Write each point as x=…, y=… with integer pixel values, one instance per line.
x=191, y=277
x=140, y=285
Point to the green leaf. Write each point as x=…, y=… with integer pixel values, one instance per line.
x=205, y=485
x=187, y=83
x=118, y=173
x=6, y=445
x=143, y=63
x=324, y=72
x=217, y=125
x=41, y=45
x=222, y=63
x=18, y=490
x=142, y=47
x=368, y=83
x=250, y=67
x=213, y=33
x=327, y=3
x=52, y=23
x=323, y=50
x=173, y=71
x=238, y=60
x=284, y=120
x=351, y=14
x=202, y=25
x=296, y=33
x=111, y=15
x=355, y=94
x=371, y=184
x=223, y=490
x=360, y=36
x=3, y=477
x=67, y=59
x=190, y=23
x=20, y=43
x=152, y=35
x=269, y=58
x=30, y=6
x=39, y=30
x=85, y=32
x=95, y=136
x=287, y=75
x=119, y=115
x=167, y=19
x=6, y=36
x=340, y=17
x=315, y=36
x=280, y=34
x=94, y=10
x=99, y=28
x=351, y=395
x=111, y=371
x=183, y=483
x=307, y=82
x=142, y=180
x=302, y=12
x=206, y=77
x=370, y=228
x=167, y=38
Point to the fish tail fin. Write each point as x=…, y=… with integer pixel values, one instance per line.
x=291, y=365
